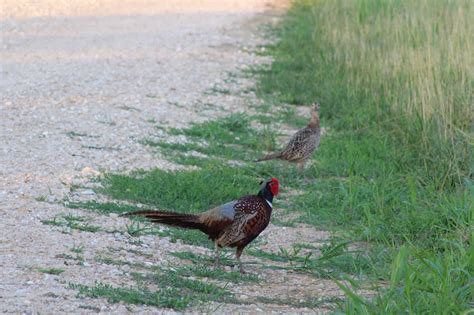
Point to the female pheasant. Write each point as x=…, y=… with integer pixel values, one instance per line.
x=234, y=224
x=302, y=144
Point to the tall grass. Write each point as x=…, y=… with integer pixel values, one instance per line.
x=414, y=57
x=404, y=66
x=395, y=80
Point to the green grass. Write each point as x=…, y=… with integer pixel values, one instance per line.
x=174, y=289
x=197, y=289
x=169, y=298
x=71, y=222
x=77, y=249
x=230, y=137
x=111, y=261
x=217, y=90
x=333, y=260
x=188, y=191
x=129, y=108
x=190, y=237
x=140, y=253
x=73, y=134
x=51, y=271
x=389, y=68
x=310, y=302
x=395, y=87
x=202, y=259
x=420, y=281
x=101, y=207
x=216, y=274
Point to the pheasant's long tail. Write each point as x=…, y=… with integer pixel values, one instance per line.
x=270, y=156
x=183, y=220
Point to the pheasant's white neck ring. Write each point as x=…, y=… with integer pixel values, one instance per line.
x=269, y=203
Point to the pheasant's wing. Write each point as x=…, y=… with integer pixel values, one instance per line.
x=222, y=212
x=236, y=231
x=245, y=209
x=301, y=142
x=218, y=219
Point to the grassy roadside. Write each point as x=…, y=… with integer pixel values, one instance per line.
x=226, y=149
x=395, y=82
x=393, y=169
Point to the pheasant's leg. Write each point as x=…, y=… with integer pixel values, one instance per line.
x=218, y=256
x=237, y=254
x=301, y=166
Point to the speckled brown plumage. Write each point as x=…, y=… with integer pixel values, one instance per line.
x=234, y=224
x=303, y=143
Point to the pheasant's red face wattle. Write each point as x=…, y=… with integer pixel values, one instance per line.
x=274, y=186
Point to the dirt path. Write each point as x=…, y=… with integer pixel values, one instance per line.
x=80, y=83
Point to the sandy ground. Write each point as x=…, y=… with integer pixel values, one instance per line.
x=82, y=82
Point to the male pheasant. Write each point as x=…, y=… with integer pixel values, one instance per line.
x=302, y=144
x=234, y=224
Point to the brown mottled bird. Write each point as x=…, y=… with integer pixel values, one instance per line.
x=302, y=144
x=234, y=224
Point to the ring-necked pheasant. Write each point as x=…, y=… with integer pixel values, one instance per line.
x=234, y=224
x=302, y=144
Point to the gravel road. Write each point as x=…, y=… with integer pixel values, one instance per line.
x=82, y=82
